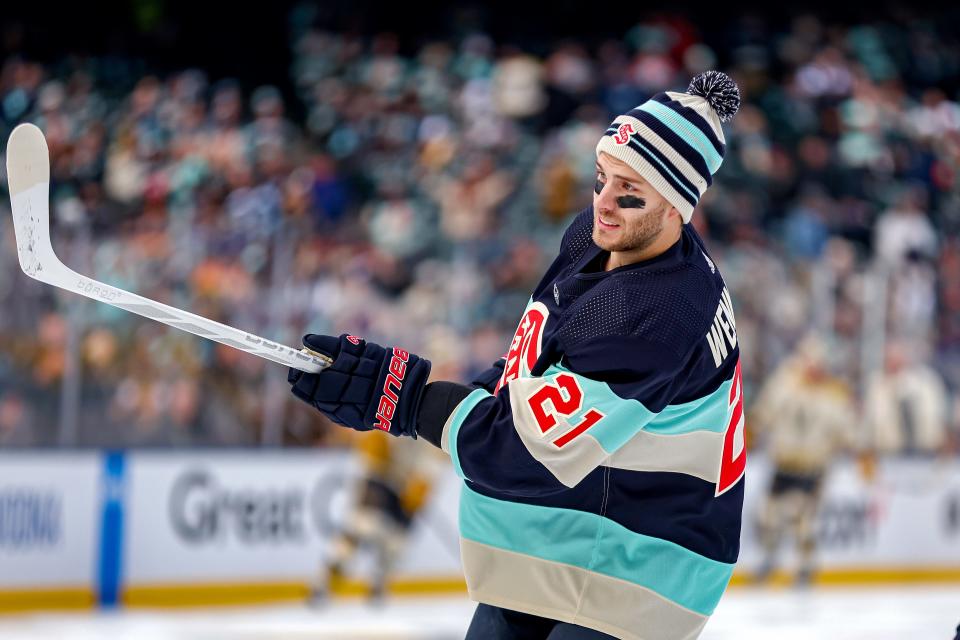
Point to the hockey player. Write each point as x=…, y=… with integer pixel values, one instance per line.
x=806, y=419
x=394, y=486
x=602, y=458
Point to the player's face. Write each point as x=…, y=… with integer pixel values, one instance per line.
x=628, y=213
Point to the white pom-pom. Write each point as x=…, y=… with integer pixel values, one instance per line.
x=719, y=91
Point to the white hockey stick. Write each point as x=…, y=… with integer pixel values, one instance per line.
x=28, y=174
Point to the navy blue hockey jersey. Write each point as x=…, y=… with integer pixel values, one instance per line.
x=603, y=473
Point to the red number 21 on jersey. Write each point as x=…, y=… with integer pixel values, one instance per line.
x=563, y=397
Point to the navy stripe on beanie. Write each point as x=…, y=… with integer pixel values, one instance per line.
x=680, y=145
x=662, y=166
x=693, y=118
x=665, y=168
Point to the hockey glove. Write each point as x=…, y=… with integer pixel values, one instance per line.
x=366, y=387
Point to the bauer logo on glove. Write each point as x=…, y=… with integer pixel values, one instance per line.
x=366, y=387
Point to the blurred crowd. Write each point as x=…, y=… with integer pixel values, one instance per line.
x=421, y=194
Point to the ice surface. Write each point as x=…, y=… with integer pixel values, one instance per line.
x=881, y=613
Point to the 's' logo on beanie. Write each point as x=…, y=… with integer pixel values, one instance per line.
x=623, y=133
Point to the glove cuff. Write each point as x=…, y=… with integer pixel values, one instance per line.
x=438, y=402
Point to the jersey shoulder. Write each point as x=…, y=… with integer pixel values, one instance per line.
x=673, y=306
x=579, y=236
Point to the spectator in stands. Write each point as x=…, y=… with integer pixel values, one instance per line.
x=431, y=176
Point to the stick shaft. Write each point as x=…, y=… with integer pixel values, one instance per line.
x=193, y=323
x=37, y=259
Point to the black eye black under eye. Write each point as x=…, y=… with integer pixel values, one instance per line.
x=624, y=202
x=631, y=202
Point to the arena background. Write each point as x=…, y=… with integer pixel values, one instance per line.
x=406, y=173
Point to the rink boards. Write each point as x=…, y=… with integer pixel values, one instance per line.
x=208, y=527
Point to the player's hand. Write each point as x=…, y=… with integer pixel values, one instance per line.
x=366, y=387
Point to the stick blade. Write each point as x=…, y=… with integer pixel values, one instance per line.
x=28, y=175
x=28, y=159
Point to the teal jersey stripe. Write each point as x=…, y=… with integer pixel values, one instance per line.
x=597, y=544
x=709, y=413
x=456, y=421
x=685, y=130
x=624, y=417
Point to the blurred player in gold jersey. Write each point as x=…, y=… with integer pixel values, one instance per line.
x=804, y=418
x=394, y=486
